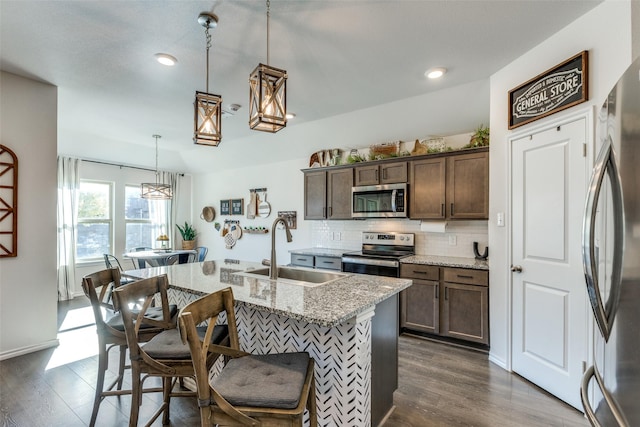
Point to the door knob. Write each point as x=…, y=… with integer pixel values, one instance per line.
x=516, y=268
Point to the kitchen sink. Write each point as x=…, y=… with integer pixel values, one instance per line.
x=302, y=276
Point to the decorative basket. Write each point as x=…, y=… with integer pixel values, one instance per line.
x=434, y=144
x=384, y=150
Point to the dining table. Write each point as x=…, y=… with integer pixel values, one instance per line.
x=158, y=257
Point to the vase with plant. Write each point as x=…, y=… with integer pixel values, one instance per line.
x=188, y=234
x=479, y=138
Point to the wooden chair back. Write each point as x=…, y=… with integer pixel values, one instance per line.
x=142, y=294
x=99, y=287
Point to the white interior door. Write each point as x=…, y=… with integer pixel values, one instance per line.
x=548, y=182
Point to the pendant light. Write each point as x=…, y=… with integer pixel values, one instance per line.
x=208, y=107
x=267, y=94
x=158, y=190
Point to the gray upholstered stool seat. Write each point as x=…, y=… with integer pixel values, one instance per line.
x=114, y=319
x=269, y=380
x=168, y=344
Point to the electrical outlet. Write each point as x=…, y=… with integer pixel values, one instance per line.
x=453, y=240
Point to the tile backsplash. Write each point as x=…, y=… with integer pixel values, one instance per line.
x=456, y=240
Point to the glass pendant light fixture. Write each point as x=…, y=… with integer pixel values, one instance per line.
x=156, y=190
x=267, y=94
x=208, y=107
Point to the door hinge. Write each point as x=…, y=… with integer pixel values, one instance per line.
x=584, y=150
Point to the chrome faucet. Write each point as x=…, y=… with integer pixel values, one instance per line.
x=273, y=268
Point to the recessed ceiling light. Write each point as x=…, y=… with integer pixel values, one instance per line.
x=166, y=59
x=435, y=73
x=291, y=115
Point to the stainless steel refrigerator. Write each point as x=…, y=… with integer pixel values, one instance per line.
x=611, y=255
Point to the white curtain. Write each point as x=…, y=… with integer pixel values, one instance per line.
x=68, y=184
x=172, y=178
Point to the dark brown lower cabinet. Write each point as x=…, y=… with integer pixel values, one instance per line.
x=465, y=312
x=444, y=301
x=421, y=306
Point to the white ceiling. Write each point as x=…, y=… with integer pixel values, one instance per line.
x=341, y=56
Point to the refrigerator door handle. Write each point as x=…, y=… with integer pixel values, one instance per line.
x=611, y=404
x=584, y=391
x=605, y=165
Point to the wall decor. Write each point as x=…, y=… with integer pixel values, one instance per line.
x=291, y=217
x=558, y=88
x=8, y=203
x=237, y=207
x=225, y=207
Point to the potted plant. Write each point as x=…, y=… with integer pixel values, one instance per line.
x=480, y=137
x=188, y=235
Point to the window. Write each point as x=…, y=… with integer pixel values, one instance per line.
x=94, y=233
x=145, y=219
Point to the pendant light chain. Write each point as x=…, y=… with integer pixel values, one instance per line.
x=157, y=174
x=268, y=15
x=208, y=36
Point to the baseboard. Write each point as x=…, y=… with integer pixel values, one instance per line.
x=29, y=349
x=497, y=361
x=448, y=341
x=386, y=417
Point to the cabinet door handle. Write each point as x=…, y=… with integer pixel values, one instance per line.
x=446, y=294
x=327, y=262
x=324, y=212
x=330, y=211
x=302, y=259
x=451, y=209
x=419, y=272
x=437, y=291
x=384, y=174
x=442, y=210
x=377, y=179
x=464, y=277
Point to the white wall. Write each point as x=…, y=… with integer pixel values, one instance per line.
x=606, y=33
x=28, y=288
x=120, y=177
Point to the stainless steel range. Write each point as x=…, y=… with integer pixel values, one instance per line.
x=380, y=255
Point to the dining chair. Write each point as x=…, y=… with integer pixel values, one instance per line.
x=173, y=259
x=268, y=389
x=110, y=261
x=202, y=252
x=141, y=263
x=164, y=355
x=99, y=288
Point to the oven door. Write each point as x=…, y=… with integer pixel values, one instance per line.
x=379, y=201
x=375, y=267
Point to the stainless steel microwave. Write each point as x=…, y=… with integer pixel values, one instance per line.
x=379, y=201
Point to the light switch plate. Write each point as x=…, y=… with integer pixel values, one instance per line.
x=500, y=219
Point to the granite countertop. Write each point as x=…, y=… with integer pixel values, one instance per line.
x=327, y=305
x=320, y=252
x=447, y=261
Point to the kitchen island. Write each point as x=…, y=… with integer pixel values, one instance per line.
x=349, y=326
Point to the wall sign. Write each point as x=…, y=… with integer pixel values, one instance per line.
x=561, y=87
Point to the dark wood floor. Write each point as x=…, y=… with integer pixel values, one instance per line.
x=440, y=385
